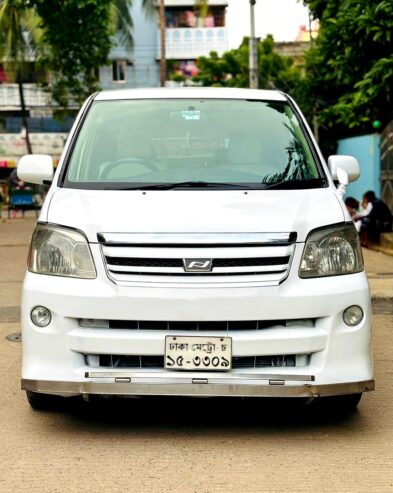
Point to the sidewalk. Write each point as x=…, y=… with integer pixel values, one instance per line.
x=15, y=234
x=385, y=245
x=379, y=268
x=17, y=231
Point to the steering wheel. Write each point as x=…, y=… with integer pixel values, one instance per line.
x=119, y=162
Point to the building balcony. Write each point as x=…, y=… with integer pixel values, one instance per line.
x=34, y=96
x=190, y=43
x=37, y=98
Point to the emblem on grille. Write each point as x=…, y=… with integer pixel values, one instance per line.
x=197, y=264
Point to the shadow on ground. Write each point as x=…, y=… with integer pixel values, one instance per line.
x=203, y=413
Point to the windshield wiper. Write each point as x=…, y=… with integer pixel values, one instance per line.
x=285, y=185
x=183, y=184
x=295, y=184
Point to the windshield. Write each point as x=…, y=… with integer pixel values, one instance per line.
x=168, y=142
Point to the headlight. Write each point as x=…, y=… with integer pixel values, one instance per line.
x=332, y=251
x=58, y=251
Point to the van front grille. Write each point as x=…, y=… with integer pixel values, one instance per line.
x=198, y=259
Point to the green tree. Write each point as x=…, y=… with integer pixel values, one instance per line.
x=79, y=35
x=232, y=70
x=122, y=23
x=74, y=39
x=350, y=67
x=19, y=43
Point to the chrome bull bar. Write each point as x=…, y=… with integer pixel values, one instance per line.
x=143, y=384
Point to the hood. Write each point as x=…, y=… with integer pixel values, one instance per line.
x=194, y=211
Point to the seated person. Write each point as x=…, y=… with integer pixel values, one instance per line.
x=353, y=209
x=377, y=221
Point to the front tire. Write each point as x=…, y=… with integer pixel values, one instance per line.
x=341, y=404
x=43, y=402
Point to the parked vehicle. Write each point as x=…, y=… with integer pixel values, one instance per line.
x=193, y=243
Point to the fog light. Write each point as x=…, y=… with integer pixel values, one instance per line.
x=40, y=316
x=353, y=315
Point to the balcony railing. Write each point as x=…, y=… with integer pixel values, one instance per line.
x=34, y=96
x=189, y=43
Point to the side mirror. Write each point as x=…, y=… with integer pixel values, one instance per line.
x=35, y=168
x=344, y=168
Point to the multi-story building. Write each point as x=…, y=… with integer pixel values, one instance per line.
x=188, y=35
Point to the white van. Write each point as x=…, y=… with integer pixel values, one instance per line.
x=193, y=243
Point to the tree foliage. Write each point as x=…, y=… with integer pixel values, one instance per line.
x=350, y=67
x=20, y=41
x=20, y=36
x=122, y=22
x=79, y=35
x=73, y=38
x=232, y=69
x=347, y=77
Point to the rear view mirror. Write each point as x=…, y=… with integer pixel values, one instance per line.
x=344, y=168
x=35, y=168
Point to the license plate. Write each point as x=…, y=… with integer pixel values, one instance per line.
x=198, y=353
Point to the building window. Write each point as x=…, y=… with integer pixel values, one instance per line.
x=119, y=68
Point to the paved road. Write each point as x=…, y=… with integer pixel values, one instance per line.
x=170, y=445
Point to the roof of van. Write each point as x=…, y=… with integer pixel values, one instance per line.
x=191, y=92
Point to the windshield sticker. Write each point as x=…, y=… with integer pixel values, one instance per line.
x=191, y=115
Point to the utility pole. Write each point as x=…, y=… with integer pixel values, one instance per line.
x=162, y=40
x=24, y=113
x=253, y=55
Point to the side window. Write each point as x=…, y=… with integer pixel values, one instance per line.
x=119, y=71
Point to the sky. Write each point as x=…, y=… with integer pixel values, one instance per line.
x=281, y=18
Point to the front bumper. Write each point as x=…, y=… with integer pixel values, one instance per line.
x=252, y=386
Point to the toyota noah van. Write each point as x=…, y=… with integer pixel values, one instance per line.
x=194, y=242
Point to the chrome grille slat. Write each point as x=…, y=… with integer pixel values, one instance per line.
x=200, y=279
x=197, y=239
x=211, y=251
x=119, y=269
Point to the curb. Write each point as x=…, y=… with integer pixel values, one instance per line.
x=381, y=249
x=382, y=306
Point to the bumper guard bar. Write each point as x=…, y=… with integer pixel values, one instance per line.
x=125, y=383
